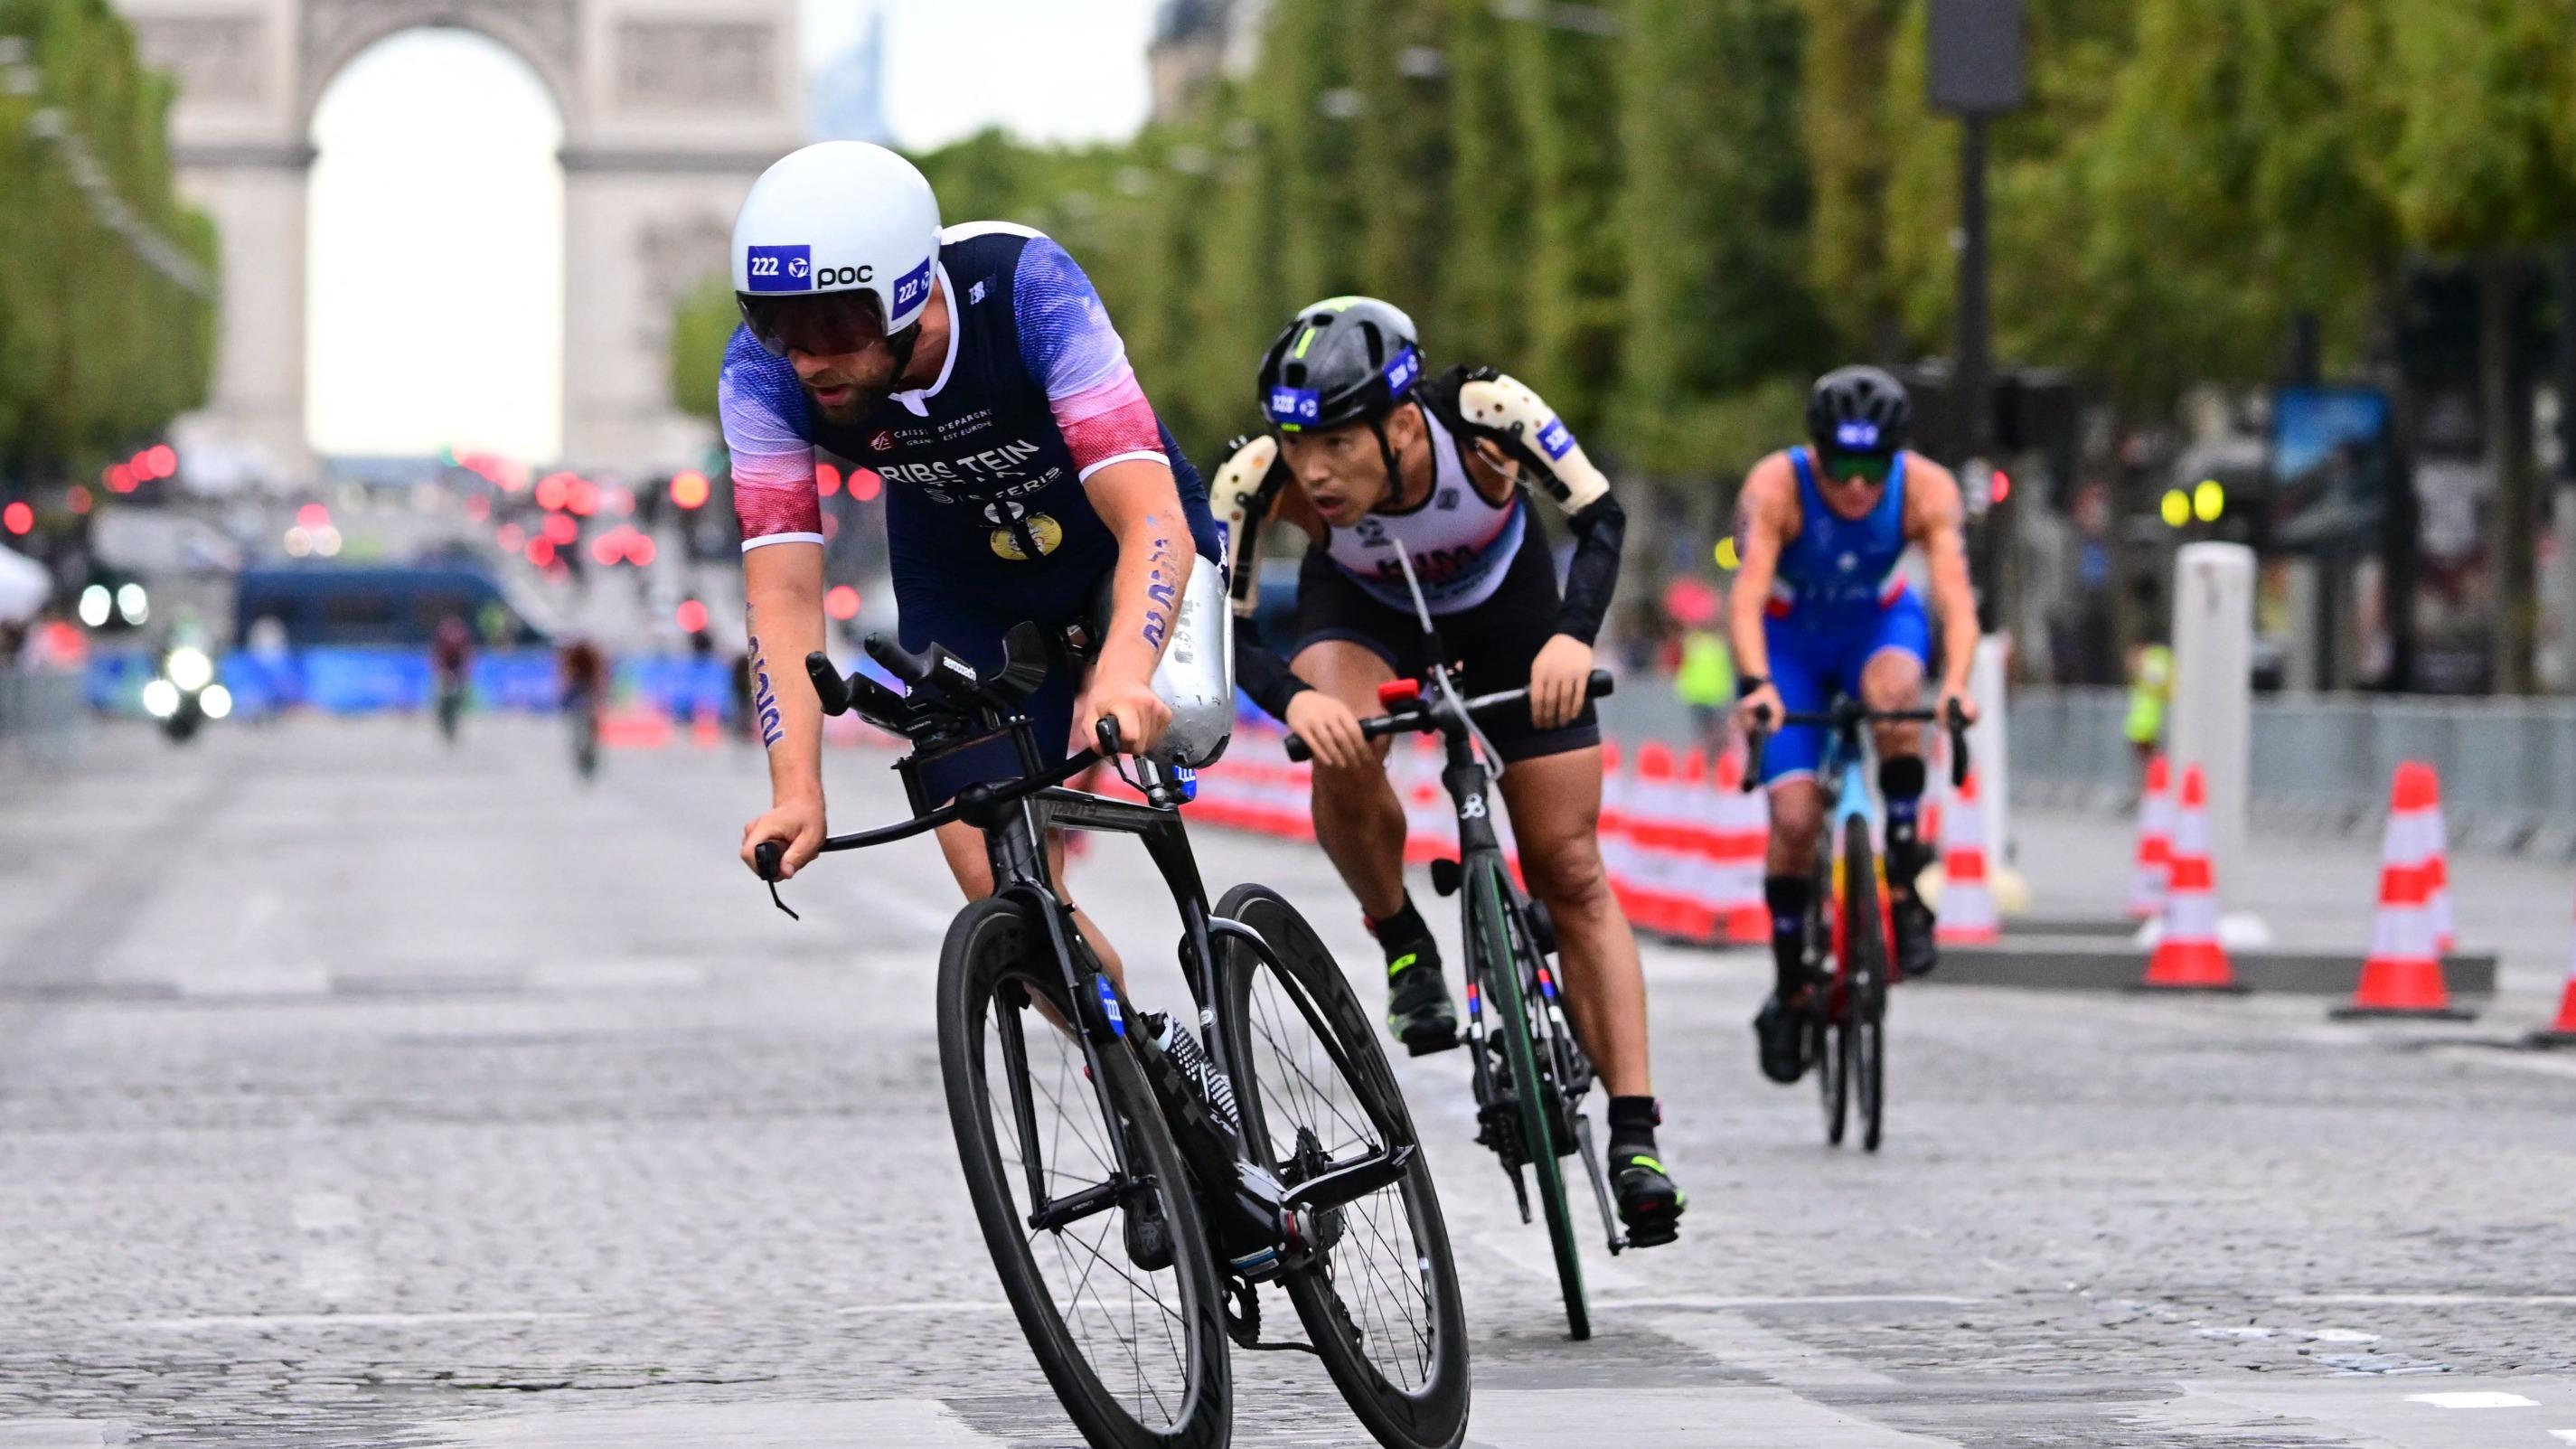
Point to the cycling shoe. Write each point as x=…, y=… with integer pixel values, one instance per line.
x=1418, y=1008
x=1781, y=1029
x=1650, y=1206
x=1149, y=1233
x=1917, y=952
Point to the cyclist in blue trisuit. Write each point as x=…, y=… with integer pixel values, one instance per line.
x=1821, y=607
x=976, y=370
x=1366, y=450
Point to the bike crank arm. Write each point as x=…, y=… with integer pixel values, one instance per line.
x=1600, y=1185
x=1060, y=1213
x=1350, y=1182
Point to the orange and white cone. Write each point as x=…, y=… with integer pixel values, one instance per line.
x=1740, y=844
x=1967, y=916
x=2155, y=845
x=2403, y=975
x=2562, y=1032
x=2188, y=956
x=2446, y=936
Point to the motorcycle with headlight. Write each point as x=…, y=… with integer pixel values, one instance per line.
x=184, y=695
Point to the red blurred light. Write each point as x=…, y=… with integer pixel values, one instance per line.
x=582, y=497
x=2003, y=485
x=865, y=484
x=541, y=552
x=77, y=498
x=511, y=537
x=164, y=460
x=640, y=551
x=691, y=616
x=561, y=529
x=690, y=489
x=477, y=508
x=604, y=549
x=827, y=479
x=118, y=478
x=831, y=528
x=620, y=501
x=552, y=489
x=842, y=602
x=313, y=515
x=18, y=518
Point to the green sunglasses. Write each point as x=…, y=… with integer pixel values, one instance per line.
x=1857, y=468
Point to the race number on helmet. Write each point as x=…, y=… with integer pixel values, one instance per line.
x=844, y=221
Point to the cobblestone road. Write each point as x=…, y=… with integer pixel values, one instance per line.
x=354, y=1092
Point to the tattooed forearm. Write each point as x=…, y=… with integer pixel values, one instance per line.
x=1162, y=588
x=764, y=698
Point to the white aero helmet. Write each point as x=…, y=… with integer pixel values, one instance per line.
x=838, y=220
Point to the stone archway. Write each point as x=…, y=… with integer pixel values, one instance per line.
x=670, y=109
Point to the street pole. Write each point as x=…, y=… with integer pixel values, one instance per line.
x=1973, y=393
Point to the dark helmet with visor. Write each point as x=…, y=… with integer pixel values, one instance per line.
x=1857, y=417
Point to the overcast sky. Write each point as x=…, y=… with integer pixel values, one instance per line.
x=436, y=290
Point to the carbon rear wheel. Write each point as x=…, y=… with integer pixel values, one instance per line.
x=1510, y=959
x=1381, y=1302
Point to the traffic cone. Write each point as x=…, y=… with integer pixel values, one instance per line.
x=1967, y=915
x=2189, y=956
x=2403, y=976
x=2446, y=938
x=1741, y=843
x=2562, y=1032
x=2155, y=844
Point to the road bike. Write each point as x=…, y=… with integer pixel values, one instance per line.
x=1849, y=963
x=1136, y=1190
x=1530, y=1111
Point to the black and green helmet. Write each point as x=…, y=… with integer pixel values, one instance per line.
x=1342, y=360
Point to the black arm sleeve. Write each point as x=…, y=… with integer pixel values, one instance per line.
x=1261, y=673
x=1599, y=531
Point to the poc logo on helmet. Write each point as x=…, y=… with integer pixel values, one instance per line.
x=843, y=276
x=1860, y=436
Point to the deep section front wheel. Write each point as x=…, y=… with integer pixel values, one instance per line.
x=1126, y=1320
x=1824, y=1036
x=1508, y=964
x=1380, y=1301
x=1865, y=979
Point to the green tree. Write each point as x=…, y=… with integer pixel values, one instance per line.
x=98, y=348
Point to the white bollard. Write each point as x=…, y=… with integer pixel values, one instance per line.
x=2212, y=726
x=1989, y=747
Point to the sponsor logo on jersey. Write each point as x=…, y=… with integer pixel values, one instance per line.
x=911, y=287
x=1295, y=407
x=1448, y=500
x=1554, y=440
x=781, y=269
x=974, y=294
x=883, y=442
x=1859, y=435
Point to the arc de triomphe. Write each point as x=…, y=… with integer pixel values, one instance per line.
x=670, y=109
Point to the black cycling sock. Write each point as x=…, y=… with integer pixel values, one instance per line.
x=1405, y=927
x=1633, y=1121
x=1900, y=781
x=1788, y=896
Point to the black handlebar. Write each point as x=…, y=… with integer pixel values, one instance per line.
x=1956, y=722
x=1428, y=715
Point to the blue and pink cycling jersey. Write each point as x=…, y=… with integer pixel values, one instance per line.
x=987, y=519
x=1840, y=597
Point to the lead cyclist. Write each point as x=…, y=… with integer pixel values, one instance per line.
x=1364, y=450
x=976, y=370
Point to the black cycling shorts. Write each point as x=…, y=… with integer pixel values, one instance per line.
x=1491, y=645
